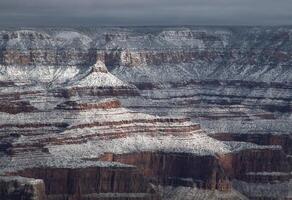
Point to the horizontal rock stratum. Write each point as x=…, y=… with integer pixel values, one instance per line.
x=146, y=113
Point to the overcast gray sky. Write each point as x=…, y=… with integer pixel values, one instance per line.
x=145, y=12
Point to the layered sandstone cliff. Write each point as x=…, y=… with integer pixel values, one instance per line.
x=146, y=113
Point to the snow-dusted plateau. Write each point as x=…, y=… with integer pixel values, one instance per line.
x=146, y=113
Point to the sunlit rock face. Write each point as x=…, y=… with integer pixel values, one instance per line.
x=146, y=113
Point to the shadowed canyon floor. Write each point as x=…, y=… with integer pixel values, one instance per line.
x=146, y=113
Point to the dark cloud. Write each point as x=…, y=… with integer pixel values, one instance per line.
x=144, y=12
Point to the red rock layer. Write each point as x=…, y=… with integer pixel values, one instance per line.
x=176, y=169
x=73, y=105
x=16, y=107
x=79, y=184
x=207, y=172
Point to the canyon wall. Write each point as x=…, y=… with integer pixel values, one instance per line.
x=146, y=113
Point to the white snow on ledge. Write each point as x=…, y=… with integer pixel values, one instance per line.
x=268, y=173
x=196, y=144
x=22, y=180
x=42, y=160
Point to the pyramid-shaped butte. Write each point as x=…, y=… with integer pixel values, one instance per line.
x=99, y=66
x=75, y=130
x=98, y=76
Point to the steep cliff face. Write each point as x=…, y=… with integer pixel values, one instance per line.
x=177, y=169
x=257, y=166
x=146, y=113
x=92, y=183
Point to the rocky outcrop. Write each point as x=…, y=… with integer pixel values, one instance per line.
x=136, y=96
x=16, y=107
x=15, y=188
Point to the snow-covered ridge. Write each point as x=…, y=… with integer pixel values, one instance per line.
x=234, y=81
x=155, y=38
x=71, y=39
x=196, y=144
x=59, y=76
x=38, y=74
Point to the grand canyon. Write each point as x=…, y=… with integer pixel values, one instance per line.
x=146, y=113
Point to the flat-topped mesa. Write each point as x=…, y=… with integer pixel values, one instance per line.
x=190, y=161
x=211, y=172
